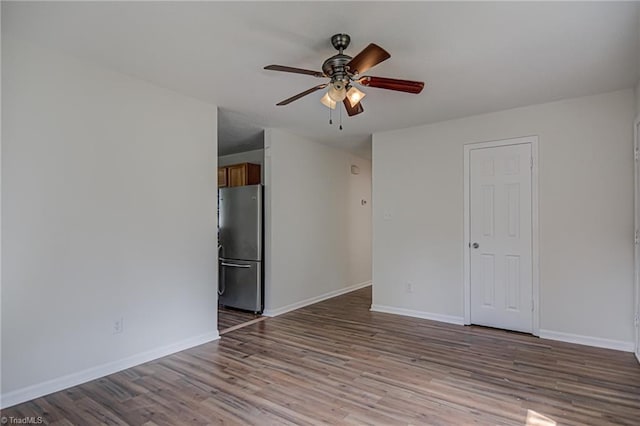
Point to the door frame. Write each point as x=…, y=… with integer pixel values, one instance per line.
x=535, y=262
x=636, y=228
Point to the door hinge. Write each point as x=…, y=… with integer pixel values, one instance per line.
x=636, y=154
x=533, y=305
x=636, y=238
x=636, y=321
x=531, y=163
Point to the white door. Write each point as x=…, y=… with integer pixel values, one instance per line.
x=501, y=237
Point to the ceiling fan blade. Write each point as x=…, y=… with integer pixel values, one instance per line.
x=300, y=95
x=370, y=56
x=392, y=84
x=294, y=70
x=351, y=111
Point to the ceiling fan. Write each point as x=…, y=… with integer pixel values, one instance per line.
x=343, y=71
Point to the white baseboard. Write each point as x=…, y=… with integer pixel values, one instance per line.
x=35, y=391
x=619, y=345
x=312, y=300
x=418, y=314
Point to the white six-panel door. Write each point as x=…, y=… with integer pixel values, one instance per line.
x=500, y=217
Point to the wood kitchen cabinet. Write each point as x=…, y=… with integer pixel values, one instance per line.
x=239, y=175
x=222, y=177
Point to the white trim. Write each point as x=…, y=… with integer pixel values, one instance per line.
x=535, y=238
x=598, y=342
x=466, y=285
x=312, y=300
x=418, y=314
x=535, y=259
x=40, y=389
x=636, y=228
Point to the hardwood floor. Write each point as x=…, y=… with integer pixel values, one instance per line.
x=230, y=319
x=337, y=363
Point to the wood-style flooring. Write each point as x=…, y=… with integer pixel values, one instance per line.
x=337, y=363
x=232, y=319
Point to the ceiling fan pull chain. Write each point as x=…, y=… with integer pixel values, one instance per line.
x=340, y=116
x=330, y=120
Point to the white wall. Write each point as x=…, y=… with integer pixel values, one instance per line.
x=256, y=157
x=586, y=212
x=109, y=212
x=359, y=220
x=318, y=232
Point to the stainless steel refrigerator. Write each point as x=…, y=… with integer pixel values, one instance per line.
x=240, y=232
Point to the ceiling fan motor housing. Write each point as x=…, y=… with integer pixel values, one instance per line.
x=335, y=68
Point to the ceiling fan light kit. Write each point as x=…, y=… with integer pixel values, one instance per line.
x=344, y=71
x=354, y=95
x=337, y=92
x=328, y=102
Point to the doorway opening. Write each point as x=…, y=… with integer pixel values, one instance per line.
x=241, y=246
x=501, y=283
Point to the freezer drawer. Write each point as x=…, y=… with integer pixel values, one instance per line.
x=241, y=284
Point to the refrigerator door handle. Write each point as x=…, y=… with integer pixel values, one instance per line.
x=235, y=265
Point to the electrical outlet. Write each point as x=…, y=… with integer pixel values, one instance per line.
x=409, y=287
x=118, y=326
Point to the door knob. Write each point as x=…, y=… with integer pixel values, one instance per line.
x=475, y=245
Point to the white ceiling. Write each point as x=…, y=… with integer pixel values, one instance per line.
x=237, y=134
x=475, y=57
